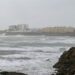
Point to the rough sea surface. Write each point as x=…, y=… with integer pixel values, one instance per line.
x=33, y=55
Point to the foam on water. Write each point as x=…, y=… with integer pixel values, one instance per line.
x=34, y=55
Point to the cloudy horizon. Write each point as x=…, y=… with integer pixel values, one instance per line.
x=37, y=13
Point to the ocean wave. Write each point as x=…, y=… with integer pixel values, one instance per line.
x=32, y=54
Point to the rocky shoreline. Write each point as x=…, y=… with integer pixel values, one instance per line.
x=11, y=73
x=66, y=63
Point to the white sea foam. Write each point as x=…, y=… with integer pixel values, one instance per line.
x=32, y=58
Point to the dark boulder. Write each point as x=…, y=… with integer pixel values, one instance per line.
x=11, y=73
x=66, y=63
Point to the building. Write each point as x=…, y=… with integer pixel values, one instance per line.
x=58, y=29
x=22, y=27
x=12, y=28
x=19, y=28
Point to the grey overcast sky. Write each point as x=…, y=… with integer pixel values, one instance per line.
x=37, y=13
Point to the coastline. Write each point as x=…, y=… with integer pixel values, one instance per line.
x=66, y=63
x=39, y=33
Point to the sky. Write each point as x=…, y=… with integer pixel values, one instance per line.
x=37, y=13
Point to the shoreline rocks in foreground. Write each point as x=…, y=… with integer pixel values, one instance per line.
x=66, y=63
x=11, y=73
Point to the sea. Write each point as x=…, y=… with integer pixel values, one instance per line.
x=32, y=55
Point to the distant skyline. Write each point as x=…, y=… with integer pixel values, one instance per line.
x=37, y=13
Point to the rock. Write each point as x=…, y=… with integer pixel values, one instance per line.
x=66, y=63
x=11, y=73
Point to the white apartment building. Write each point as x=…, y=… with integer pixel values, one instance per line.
x=22, y=27
x=19, y=28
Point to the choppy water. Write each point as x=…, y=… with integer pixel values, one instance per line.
x=33, y=55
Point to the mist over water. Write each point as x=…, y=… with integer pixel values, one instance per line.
x=34, y=55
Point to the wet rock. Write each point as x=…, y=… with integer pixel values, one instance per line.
x=11, y=73
x=66, y=63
